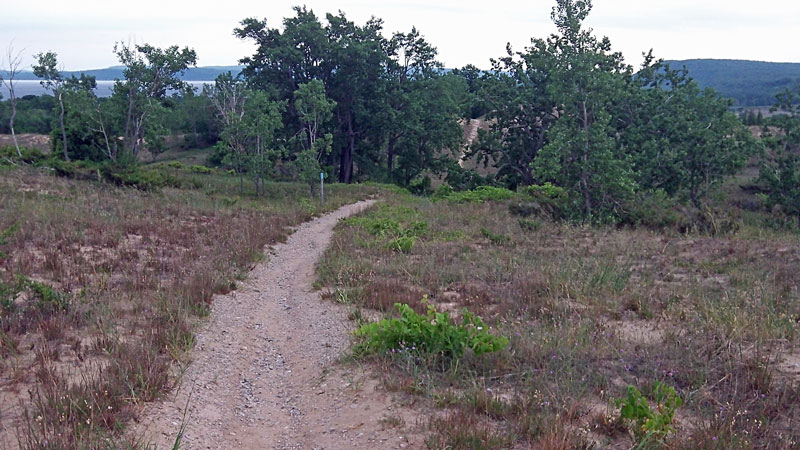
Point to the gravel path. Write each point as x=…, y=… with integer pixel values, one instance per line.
x=264, y=375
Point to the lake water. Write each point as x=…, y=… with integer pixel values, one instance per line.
x=104, y=88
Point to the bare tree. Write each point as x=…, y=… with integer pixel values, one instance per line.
x=14, y=60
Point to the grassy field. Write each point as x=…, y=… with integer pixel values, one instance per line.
x=101, y=288
x=589, y=312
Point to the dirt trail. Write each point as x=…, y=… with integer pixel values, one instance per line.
x=263, y=374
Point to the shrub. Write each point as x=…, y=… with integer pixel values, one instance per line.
x=431, y=334
x=655, y=210
x=201, y=169
x=547, y=199
x=175, y=165
x=529, y=225
x=402, y=244
x=481, y=194
x=443, y=191
x=29, y=155
x=420, y=186
x=648, y=424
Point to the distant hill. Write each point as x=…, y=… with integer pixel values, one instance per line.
x=207, y=73
x=748, y=83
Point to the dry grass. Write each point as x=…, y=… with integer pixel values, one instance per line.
x=588, y=311
x=101, y=288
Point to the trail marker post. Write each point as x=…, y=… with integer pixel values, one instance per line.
x=322, y=187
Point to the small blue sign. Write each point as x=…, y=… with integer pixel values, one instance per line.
x=321, y=176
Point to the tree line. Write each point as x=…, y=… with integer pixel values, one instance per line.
x=336, y=97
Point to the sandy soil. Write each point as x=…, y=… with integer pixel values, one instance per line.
x=265, y=373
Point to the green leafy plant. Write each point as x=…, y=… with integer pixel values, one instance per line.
x=529, y=225
x=47, y=298
x=650, y=425
x=481, y=194
x=433, y=333
x=201, y=169
x=402, y=244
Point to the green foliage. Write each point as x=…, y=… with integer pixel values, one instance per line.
x=200, y=169
x=434, y=334
x=655, y=210
x=529, y=225
x=402, y=244
x=547, y=199
x=780, y=174
x=149, y=73
x=650, y=425
x=443, y=191
x=420, y=186
x=29, y=155
x=48, y=298
x=682, y=139
x=481, y=194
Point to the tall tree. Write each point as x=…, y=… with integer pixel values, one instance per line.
x=357, y=86
x=581, y=154
x=411, y=60
x=347, y=58
x=46, y=68
x=249, y=120
x=315, y=110
x=522, y=109
x=149, y=74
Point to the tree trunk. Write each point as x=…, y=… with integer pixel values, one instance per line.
x=346, y=162
x=587, y=196
x=11, y=123
x=390, y=153
x=63, y=127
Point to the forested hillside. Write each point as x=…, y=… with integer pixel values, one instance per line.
x=748, y=83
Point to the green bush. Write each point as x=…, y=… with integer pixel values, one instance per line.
x=146, y=180
x=175, y=164
x=443, y=191
x=431, y=334
x=650, y=425
x=402, y=244
x=547, y=199
x=201, y=169
x=29, y=155
x=654, y=210
x=529, y=225
x=420, y=186
x=481, y=194
x=48, y=299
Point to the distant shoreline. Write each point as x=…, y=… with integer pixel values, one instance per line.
x=104, y=87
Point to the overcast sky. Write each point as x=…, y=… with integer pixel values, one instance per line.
x=83, y=32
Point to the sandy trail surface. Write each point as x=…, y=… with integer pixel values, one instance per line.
x=265, y=374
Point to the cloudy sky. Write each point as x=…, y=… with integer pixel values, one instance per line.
x=83, y=33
